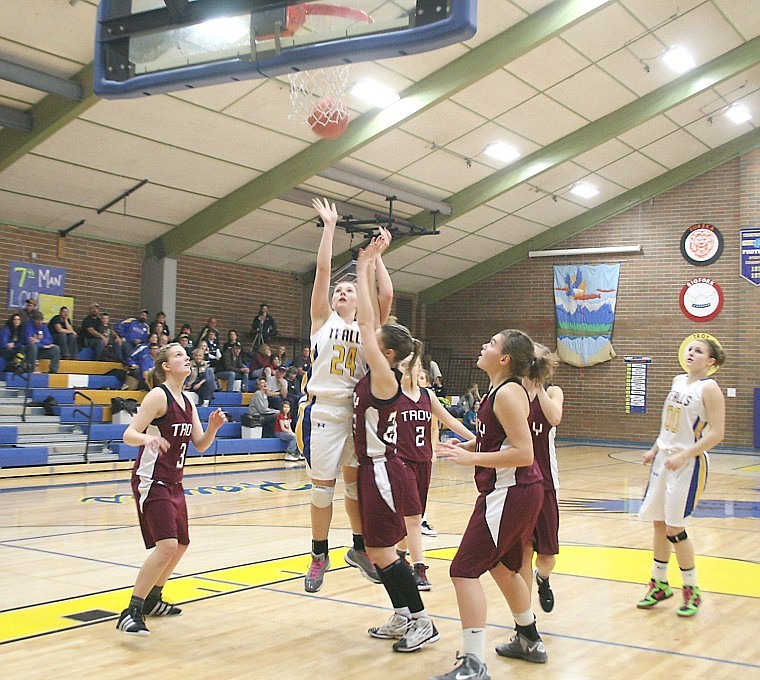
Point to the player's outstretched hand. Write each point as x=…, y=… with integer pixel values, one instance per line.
x=453, y=452
x=326, y=210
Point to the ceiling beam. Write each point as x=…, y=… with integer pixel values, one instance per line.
x=39, y=80
x=654, y=187
x=48, y=116
x=493, y=54
x=13, y=118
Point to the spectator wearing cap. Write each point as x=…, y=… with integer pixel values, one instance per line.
x=91, y=332
x=26, y=314
x=39, y=344
x=233, y=368
x=277, y=386
x=134, y=330
x=184, y=340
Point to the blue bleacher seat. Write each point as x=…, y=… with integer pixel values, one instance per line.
x=8, y=434
x=86, y=354
x=23, y=455
x=102, y=432
x=2, y=364
x=235, y=411
x=228, y=399
x=78, y=414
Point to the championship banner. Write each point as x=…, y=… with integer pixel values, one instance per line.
x=749, y=244
x=636, y=368
x=584, y=303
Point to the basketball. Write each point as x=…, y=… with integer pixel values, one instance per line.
x=328, y=118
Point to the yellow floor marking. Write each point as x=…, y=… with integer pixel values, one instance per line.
x=718, y=575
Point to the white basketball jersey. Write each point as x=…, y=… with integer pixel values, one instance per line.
x=337, y=361
x=683, y=415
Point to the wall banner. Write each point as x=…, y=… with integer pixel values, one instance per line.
x=30, y=279
x=636, y=368
x=749, y=253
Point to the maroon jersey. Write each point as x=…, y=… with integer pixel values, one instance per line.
x=375, y=423
x=492, y=437
x=413, y=420
x=176, y=426
x=544, y=451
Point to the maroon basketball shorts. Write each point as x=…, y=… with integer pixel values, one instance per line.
x=417, y=474
x=381, y=493
x=163, y=514
x=546, y=533
x=500, y=526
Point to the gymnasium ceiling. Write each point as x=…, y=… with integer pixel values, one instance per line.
x=230, y=175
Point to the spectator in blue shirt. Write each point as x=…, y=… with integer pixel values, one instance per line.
x=144, y=357
x=39, y=344
x=134, y=330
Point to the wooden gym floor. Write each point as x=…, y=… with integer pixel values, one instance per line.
x=70, y=550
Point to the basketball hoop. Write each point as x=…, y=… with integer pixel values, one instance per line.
x=317, y=99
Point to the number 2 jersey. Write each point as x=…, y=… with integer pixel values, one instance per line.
x=337, y=361
x=683, y=415
x=375, y=426
x=176, y=426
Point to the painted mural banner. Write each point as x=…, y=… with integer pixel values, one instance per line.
x=30, y=280
x=584, y=303
x=636, y=369
x=749, y=252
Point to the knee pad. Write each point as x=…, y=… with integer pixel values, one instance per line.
x=678, y=537
x=352, y=491
x=322, y=496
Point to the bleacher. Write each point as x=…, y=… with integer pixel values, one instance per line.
x=82, y=419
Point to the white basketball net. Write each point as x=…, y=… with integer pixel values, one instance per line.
x=319, y=92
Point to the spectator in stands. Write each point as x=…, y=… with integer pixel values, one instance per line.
x=466, y=401
x=259, y=407
x=234, y=369
x=213, y=352
x=304, y=361
x=282, y=352
x=39, y=344
x=12, y=340
x=277, y=387
x=260, y=361
x=187, y=330
x=143, y=359
x=471, y=416
x=263, y=327
x=26, y=314
x=201, y=379
x=232, y=338
x=114, y=347
x=187, y=344
x=156, y=329
x=163, y=340
x=441, y=392
x=161, y=319
x=294, y=389
x=283, y=429
x=432, y=368
x=63, y=333
x=91, y=332
x=210, y=325
x=134, y=330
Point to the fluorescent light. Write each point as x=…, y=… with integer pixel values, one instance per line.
x=372, y=92
x=584, y=190
x=585, y=251
x=738, y=113
x=679, y=59
x=501, y=152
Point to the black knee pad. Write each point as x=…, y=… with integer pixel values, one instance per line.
x=678, y=537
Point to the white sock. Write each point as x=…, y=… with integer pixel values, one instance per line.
x=474, y=642
x=421, y=614
x=660, y=570
x=689, y=576
x=525, y=618
x=403, y=611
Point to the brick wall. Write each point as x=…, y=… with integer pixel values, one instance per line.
x=648, y=318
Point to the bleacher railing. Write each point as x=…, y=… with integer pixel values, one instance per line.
x=87, y=415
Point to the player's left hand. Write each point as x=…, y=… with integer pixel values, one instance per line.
x=450, y=451
x=217, y=419
x=676, y=462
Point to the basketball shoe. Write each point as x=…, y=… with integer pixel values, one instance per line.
x=427, y=530
x=315, y=577
x=360, y=560
x=520, y=647
x=395, y=629
x=420, y=632
x=132, y=621
x=420, y=576
x=691, y=601
x=471, y=668
x=161, y=608
x=657, y=591
x=545, y=594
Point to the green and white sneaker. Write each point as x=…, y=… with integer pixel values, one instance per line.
x=691, y=601
x=657, y=591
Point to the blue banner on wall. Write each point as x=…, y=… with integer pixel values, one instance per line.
x=749, y=244
x=636, y=383
x=584, y=302
x=30, y=280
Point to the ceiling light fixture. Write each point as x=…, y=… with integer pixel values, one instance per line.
x=738, y=114
x=607, y=250
x=374, y=93
x=584, y=190
x=501, y=152
x=679, y=59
